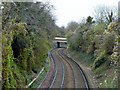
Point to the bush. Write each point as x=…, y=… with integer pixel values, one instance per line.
x=99, y=60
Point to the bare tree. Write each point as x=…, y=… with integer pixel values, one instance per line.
x=104, y=13
x=82, y=21
x=72, y=25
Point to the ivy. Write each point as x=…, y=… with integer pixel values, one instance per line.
x=26, y=39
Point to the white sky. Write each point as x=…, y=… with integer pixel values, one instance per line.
x=75, y=10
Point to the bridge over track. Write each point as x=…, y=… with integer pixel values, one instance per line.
x=58, y=40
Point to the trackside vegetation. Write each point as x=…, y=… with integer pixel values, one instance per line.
x=96, y=42
x=27, y=32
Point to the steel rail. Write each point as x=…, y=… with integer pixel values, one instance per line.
x=80, y=69
x=45, y=75
x=55, y=71
x=75, y=80
x=62, y=55
x=62, y=80
x=63, y=74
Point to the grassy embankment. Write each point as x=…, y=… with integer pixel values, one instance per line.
x=105, y=75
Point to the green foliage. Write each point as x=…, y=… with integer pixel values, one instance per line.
x=26, y=36
x=72, y=26
x=97, y=40
x=7, y=60
x=89, y=20
x=108, y=43
x=100, y=59
x=76, y=40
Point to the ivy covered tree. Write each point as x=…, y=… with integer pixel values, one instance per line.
x=27, y=31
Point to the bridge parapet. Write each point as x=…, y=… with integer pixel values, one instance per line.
x=58, y=40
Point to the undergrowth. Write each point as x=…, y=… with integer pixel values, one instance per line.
x=42, y=75
x=105, y=74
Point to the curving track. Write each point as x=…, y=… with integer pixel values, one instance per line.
x=67, y=73
x=58, y=79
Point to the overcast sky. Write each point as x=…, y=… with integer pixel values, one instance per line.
x=75, y=10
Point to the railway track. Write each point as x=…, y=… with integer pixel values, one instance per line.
x=70, y=76
x=82, y=81
x=67, y=73
x=59, y=72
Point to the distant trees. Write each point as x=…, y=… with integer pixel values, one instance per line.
x=105, y=14
x=72, y=26
x=97, y=40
